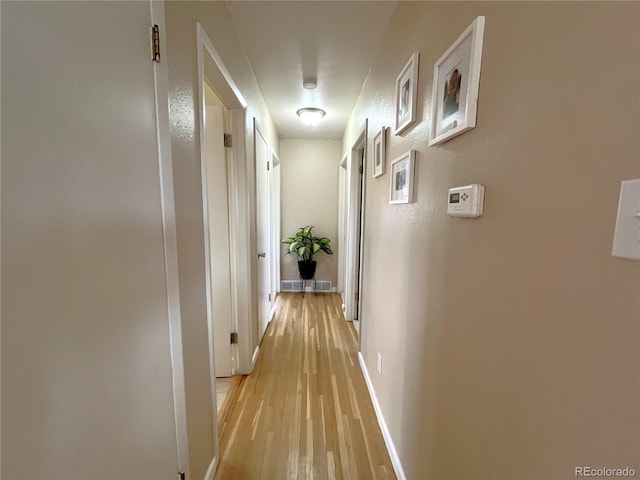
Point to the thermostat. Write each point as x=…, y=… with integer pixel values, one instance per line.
x=467, y=201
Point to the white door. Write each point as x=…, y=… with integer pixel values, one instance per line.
x=263, y=256
x=85, y=295
x=217, y=199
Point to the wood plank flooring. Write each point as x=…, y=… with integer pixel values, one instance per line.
x=304, y=412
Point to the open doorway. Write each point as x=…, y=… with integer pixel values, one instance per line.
x=222, y=120
x=353, y=207
x=216, y=196
x=359, y=193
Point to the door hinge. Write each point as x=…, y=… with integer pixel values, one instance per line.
x=155, y=43
x=269, y=297
x=227, y=140
x=234, y=338
x=268, y=166
x=181, y=476
x=360, y=169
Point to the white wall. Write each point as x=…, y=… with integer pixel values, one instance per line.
x=86, y=367
x=509, y=342
x=310, y=197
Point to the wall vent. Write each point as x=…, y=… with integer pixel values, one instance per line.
x=296, y=286
x=323, y=286
x=291, y=285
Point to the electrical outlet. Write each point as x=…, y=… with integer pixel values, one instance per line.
x=379, y=363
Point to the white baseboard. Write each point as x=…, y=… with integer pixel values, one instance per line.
x=212, y=469
x=393, y=453
x=255, y=356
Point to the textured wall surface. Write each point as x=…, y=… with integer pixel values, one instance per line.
x=86, y=359
x=510, y=343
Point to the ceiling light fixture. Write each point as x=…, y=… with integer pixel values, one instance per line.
x=311, y=116
x=310, y=83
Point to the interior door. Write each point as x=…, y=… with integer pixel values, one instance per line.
x=263, y=226
x=217, y=197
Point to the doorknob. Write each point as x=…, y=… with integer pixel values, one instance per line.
x=262, y=255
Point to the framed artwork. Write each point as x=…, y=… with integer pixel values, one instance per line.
x=379, y=152
x=406, y=95
x=456, y=79
x=401, y=181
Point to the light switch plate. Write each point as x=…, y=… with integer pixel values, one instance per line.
x=626, y=238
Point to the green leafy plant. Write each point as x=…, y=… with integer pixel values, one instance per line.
x=305, y=245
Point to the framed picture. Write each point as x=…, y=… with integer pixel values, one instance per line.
x=401, y=182
x=456, y=78
x=379, y=152
x=406, y=95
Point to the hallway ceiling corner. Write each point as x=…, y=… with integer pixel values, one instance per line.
x=333, y=41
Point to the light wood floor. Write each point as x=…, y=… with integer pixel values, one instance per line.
x=305, y=411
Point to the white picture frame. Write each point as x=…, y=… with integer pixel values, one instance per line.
x=406, y=95
x=379, y=152
x=401, y=178
x=456, y=81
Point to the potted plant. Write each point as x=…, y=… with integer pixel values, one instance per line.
x=305, y=246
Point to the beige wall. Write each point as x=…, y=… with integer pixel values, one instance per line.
x=510, y=342
x=86, y=364
x=181, y=20
x=310, y=197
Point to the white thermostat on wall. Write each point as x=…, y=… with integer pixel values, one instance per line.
x=467, y=201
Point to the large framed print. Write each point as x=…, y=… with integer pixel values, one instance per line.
x=401, y=181
x=456, y=80
x=406, y=95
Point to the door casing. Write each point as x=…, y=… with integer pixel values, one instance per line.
x=264, y=230
x=211, y=67
x=355, y=197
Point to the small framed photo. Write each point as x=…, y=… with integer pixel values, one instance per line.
x=456, y=79
x=401, y=182
x=406, y=95
x=379, y=152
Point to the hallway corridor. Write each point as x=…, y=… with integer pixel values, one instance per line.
x=305, y=411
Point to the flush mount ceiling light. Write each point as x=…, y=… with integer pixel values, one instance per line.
x=310, y=83
x=311, y=116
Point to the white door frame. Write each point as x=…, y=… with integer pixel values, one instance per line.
x=161, y=76
x=216, y=196
x=342, y=226
x=240, y=241
x=239, y=195
x=274, y=188
x=354, y=222
x=239, y=228
x=270, y=224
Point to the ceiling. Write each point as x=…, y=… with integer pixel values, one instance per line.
x=333, y=41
